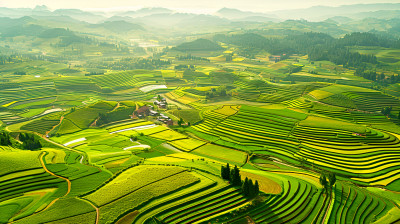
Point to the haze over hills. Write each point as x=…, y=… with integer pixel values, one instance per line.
x=171, y=115
x=315, y=13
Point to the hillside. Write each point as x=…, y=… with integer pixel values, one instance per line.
x=178, y=114
x=199, y=45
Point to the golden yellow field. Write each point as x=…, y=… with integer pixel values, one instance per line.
x=267, y=185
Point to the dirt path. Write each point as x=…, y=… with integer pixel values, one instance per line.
x=96, y=208
x=53, y=174
x=116, y=107
x=68, y=181
x=61, y=119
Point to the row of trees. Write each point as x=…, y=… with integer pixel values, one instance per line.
x=190, y=57
x=377, y=77
x=249, y=188
x=129, y=63
x=233, y=175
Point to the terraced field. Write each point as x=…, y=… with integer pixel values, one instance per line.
x=123, y=80
x=243, y=138
x=366, y=155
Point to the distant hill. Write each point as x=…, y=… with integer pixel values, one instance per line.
x=260, y=19
x=79, y=15
x=145, y=12
x=318, y=13
x=120, y=18
x=381, y=14
x=341, y=19
x=235, y=14
x=118, y=26
x=22, y=30
x=56, y=32
x=204, y=20
x=199, y=45
x=6, y=22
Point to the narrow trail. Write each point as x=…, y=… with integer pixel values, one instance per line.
x=61, y=119
x=94, y=206
x=53, y=174
x=68, y=181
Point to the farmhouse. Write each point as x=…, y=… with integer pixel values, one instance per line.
x=162, y=103
x=153, y=113
x=142, y=112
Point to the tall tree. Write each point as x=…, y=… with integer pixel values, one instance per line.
x=323, y=181
x=180, y=122
x=235, y=177
x=225, y=172
x=245, y=187
x=256, y=188
x=332, y=180
x=251, y=188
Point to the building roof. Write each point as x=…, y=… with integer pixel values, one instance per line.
x=142, y=110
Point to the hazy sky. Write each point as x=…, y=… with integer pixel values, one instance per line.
x=194, y=5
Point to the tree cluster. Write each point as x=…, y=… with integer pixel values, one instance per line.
x=386, y=111
x=30, y=141
x=377, y=77
x=5, y=139
x=327, y=181
x=220, y=91
x=184, y=67
x=190, y=57
x=249, y=189
x=180, y=122
x=129, y=63
x=233, y=175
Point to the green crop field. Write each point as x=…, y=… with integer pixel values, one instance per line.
x=181, y=114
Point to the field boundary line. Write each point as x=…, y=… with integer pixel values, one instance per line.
x=43, y=154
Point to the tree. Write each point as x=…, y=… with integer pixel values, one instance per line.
x=245, y=187
x=235, y=177
x=159, y=98
x=386, y=111
x=30, y=141
x=251, y=189
x=323, y=182
x=256, y=188
x=5, y=139
x=225, y=172
x=180, y=122
x=332, y=180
